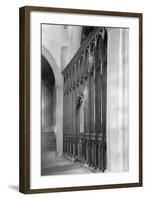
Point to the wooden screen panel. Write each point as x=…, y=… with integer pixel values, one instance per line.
x=104, y=100
x=98, y=85
x=100, y=100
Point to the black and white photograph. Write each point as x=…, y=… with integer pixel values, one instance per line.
x=80, y=99
x=84, y=99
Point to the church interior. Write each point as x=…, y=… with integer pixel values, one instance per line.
x=84, y=99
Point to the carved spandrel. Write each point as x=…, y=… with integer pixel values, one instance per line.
x=93, y=64
x=77, y=74
x=74, y=76
x=92, y=60
x=64, y=85
x=86, y=65
x=71, y=79
x=67, y=84
x=82, y=67
x=79, y=70
x=99, y=56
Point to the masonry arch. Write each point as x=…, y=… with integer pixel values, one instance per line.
x=58, y=107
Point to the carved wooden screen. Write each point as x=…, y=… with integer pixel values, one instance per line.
x=85, y=94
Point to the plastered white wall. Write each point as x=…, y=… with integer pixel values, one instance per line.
x=9, y=101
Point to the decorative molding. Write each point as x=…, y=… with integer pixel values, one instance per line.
x=95, y=33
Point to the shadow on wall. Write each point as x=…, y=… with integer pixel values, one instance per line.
x=14, y=187
x=47, y=92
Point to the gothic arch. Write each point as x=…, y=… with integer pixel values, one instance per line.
x=59, y=99
x=54, y=66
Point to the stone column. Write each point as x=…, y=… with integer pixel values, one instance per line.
x=59, y=119
x=117, y=99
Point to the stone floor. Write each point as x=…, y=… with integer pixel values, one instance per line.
x=58, y=165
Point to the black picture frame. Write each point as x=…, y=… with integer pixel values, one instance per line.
x=24, y=92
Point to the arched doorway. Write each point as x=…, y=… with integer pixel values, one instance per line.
x=48, y=106
x=58, y=102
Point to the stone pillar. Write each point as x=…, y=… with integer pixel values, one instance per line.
x=59, y=119
x=117, y=100
x=125, y=99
